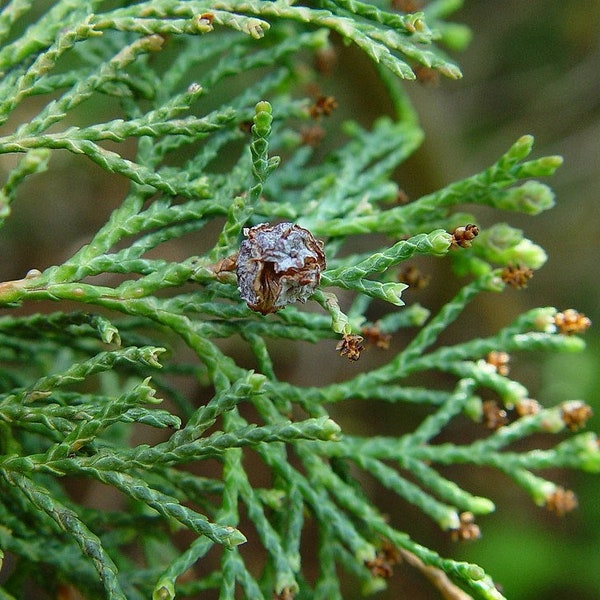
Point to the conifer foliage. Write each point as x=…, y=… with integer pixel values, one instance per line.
x=213, y=98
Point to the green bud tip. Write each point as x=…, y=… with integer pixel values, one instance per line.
x=551, y=420
x=588, y=451
x=331, y=430
x=235, y=537
x=543, y=319
x=529, y=254
x=263, y=107
x=366, y=553
x=551, y=163
x=542, y=490
x=531, y=198
x=35, y=158
x=481, y=506
x=415, y=22
x=392, y=292
x=203, y=23
x=154, y=43
x=474, y=409
x=474, y=572
x=522, y=147
x=284, y=585
x=451, y=71
x=150, y=396
x=418, y=315
x=440, y=241
x=492, y=281
x=450, y=520
x=152, y=357
x=256, y=381
x=164, y=592
x=262, y=119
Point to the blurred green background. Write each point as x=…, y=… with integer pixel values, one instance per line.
x=533, y=67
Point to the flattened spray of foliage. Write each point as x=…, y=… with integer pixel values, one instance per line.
x=227, y=80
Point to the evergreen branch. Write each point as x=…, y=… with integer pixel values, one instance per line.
x=35, y=161
x=165, y=586
x=445, y=516
x=436, y=243
x=181, y=81
x=68, y=521
x=486, y=188
x=168, y=506
x=104, y=361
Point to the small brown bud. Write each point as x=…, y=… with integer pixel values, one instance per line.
x=373, y=336
x=494, y=416
x=467, y=530
x=561, y=501
x=323, y=107
x=414, y=278
x=402, y=198
x=383, y=564
x=527, y=406
x=312, y=136
x=426, y=75
x=350, y=346
x=516, y=276
x=571, y=322
x=500, y=361
x=462, y=236
x=278, y=265
x=379, y=568
x=325, y=60
x=225, y=265
x=575, y=414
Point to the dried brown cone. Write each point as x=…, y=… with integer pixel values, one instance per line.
x=325, y=60
x=278, y=265
x=402, y=198
x=225, y=265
